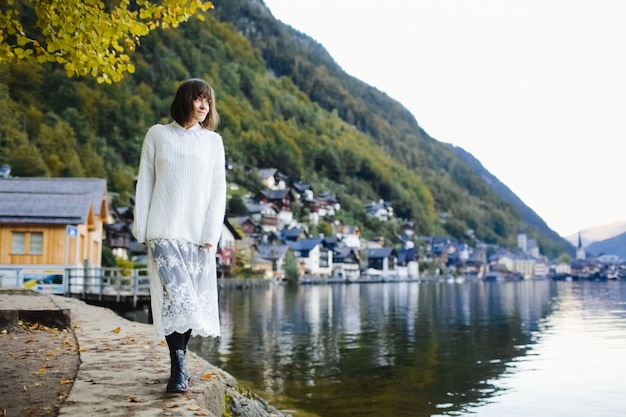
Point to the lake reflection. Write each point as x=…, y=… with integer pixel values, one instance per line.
x=422, y=349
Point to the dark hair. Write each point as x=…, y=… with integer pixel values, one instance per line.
x=182, y=105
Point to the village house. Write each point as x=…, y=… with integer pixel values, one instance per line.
x=346, y=263
x=226, y=250
x=312, y=257
x=282, y=200
x=349, y=235
x=118, y=231
x=272, y=179
x=380, y=259
x=382, y=210
x=293, y=234
x=49, y=224
x=270, y=258
x=265, y=215
x=247, y=226
x=407, y=266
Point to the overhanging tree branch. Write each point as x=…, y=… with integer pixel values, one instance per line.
x=88, y=37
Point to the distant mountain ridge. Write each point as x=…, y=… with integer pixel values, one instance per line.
x=597, y=233
x=609, y=239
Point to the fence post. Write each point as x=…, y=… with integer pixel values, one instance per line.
x=135, y=285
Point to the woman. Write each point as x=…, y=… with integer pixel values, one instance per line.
x=179, y=213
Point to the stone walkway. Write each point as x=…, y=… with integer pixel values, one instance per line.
x=123, y=369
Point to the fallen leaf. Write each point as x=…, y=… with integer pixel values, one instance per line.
x=117, y=329
x=49, y=354
x=4, y=331
x=208, y=375
x=193, y=407
x=201, y=412
x=66, y=381
x=172, y=405
x=25, y=388
x=133, y=400
x=40, y=372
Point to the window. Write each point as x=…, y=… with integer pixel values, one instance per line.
x=25, y=243
x=36, y=243
x=17, y=247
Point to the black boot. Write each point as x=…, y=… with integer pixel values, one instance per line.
x=187, y=335
x=178, y=375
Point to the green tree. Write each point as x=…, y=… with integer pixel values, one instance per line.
x=290, y=267
x=236, y=207
x=87, y=37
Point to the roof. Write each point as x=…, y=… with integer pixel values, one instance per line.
x=304, y=244
x=276, y=194
x=254, y=208
x=378, y=252
x=51, y=200
x=272, y=251
x=292, y=232
x=267, y=172
x=345, y=251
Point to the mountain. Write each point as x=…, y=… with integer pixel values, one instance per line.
x=528, y=215
x=607, y=239
x=598, y=233
x=615, y=245
x=477, y=207
x=284, y=103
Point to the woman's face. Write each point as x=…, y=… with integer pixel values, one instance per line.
x=199, y=112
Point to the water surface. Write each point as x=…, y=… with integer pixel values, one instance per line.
x=535, y=348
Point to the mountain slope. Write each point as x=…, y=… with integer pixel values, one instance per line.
x=284, y=103
x=462, y=194
x=615, y=245
x=531, y=218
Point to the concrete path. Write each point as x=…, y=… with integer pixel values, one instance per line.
x=123, y=369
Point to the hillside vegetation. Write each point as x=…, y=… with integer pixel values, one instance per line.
x=284, y=103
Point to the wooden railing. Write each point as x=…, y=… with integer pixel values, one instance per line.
x=88, y=283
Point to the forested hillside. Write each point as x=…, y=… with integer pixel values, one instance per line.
x=284, y=103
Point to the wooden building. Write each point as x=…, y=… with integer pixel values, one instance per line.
x=52, y=222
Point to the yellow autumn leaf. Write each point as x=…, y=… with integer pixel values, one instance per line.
x=66, y=381
x=40, y=372
x=117, y=330
x=208, y=375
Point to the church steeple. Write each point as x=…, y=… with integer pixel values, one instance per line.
x=580, y=251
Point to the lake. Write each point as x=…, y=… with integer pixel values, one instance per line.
x=528, y=348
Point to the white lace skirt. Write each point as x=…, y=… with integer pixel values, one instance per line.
x=183, y=288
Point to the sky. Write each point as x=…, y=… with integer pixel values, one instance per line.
x=534, y=89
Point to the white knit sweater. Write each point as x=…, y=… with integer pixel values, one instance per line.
x=181, y=186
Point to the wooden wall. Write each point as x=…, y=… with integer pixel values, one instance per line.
x=86, y=246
